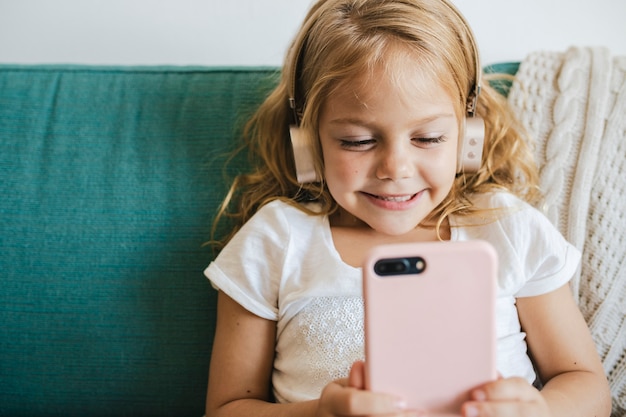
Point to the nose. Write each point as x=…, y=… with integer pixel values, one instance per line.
x=395, y=163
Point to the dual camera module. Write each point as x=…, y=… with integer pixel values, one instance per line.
x=400, y=266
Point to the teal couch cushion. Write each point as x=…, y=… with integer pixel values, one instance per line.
x=109, y=179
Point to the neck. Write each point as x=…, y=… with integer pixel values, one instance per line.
x=352, y=238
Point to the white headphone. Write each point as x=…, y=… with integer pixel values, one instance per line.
x=470, y=148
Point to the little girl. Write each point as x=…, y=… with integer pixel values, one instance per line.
x=374, y=135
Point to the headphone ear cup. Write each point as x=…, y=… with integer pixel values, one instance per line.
x=303, y=156
x=471, y=145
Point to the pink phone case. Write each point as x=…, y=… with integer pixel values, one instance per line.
x=430, y=336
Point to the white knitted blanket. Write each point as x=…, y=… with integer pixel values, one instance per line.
x=574, y=104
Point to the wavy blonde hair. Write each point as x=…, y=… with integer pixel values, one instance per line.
x=340, y=39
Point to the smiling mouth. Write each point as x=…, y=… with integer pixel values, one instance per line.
x=394, y=198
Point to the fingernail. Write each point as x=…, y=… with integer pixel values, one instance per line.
x=471, y=411
x=479, y=395
x=414, y=413
x=400, y=404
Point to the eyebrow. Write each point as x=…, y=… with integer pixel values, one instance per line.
x=361, y=122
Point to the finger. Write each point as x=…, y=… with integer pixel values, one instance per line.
x=504, y=409
x=352, y=401
x=356, y=379
x=343, y=382
x=510, y=397
x=509, y=389
x=359, y=402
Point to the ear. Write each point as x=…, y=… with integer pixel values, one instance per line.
x=471, y=145
x=303, y=156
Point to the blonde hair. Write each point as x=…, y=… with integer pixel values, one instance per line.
x=342, y=38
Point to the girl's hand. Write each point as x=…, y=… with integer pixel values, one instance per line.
x=348, y=397
x=506, y=397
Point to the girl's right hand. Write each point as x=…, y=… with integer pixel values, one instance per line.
x=348, y=397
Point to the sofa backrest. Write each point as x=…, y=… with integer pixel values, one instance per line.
x=109, y=179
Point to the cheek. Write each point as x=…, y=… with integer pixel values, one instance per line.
x=440, y=168
x=341, y=170
x=444, y=158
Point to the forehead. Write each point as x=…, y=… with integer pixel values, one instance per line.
x=407, y=81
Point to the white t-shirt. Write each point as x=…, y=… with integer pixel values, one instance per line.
x=282, y=265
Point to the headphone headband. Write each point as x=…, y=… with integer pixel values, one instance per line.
x=312, y=18
x=295, y=57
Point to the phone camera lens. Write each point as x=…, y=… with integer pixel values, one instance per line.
x=400, y=266
x=391, y=267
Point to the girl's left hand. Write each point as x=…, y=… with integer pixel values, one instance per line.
x=506, y=397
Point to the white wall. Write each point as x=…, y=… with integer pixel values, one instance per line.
x=256, y=32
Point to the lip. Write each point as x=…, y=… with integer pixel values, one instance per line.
x=393, y=201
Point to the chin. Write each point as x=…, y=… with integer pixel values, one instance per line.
x=393, y=230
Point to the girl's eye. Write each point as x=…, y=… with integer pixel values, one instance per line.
x=366, y=144
x=432, y=140
x=360, y=144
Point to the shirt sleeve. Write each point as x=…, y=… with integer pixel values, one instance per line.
x=534, y=258
x=549, y=260
x=250, y=267
x=553, y=272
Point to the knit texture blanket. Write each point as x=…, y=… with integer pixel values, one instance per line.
x=574, y=105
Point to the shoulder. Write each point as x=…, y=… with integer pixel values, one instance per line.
x=534, y=256
x=509, y=211
x=278, y=214
x=499, y=199
x=522, y=225
x=276, y=225
x=255, y=262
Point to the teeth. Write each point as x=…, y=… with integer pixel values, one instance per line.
x=398, y=199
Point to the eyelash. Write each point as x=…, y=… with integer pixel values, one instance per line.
x=437, y=139
x=353, y=144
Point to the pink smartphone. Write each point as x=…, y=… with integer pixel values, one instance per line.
x=430, y=321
